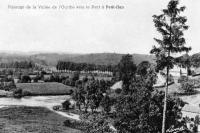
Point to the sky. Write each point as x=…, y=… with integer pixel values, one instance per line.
x=128, y=30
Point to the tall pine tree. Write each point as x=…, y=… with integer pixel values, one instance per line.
x=171, y=25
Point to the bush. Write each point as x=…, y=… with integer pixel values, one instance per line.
x=57, y=107
x=196, y=83
x=75, y=76
x=80, y=125
x=67, y=123
x=17, y=93
x=118, y=91
x=25, y=79
x=66, y=82
x=195, y=129
x=97, y=123
x=171, y=79
x=66, y=104
x=106, y=104
x=71, y=92
x=182, y=79
x=26, y=93
x=197, y=120
x=187, y=86
x=162, y=73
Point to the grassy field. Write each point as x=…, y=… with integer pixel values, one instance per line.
x=32, y=120
x=4, y=93
x=174, y=88
x=51, y=88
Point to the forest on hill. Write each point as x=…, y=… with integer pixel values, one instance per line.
x=51, y=59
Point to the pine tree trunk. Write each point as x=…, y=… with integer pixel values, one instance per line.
x=187, y=72
x=79, y=107
x=165, y=103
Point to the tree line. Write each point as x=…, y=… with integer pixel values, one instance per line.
x=18, y=64
x=63, y=65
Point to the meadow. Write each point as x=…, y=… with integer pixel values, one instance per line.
x=4, y=93
x=47, y=88
x=21, y=119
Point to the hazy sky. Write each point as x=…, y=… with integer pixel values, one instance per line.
x=130, y=30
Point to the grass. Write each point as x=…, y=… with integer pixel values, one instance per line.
x=22, y=119
x=49, y=88
x=4, y=93
x=174, y=88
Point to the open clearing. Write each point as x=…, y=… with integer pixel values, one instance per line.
x=22, y=119
x=49, y=88
x=4, y=93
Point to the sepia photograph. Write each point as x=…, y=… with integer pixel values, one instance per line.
x=99, y=66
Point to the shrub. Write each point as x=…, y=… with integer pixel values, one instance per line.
x=196, y=83
x=81, y=125
x=17, y=93
x=118, y=91
x=75, y=76
x=171, y=79
x=57, y=107
x=187, y=86
x=98, y=123
x=182, y=79
x=106, y=104
x=26, y=93
x=25, y=79
x=71, y=91
x=196, y=121
x=195, y=129
x=67, y=123
x=162, y=73
x=66, y=104
x=66, y=81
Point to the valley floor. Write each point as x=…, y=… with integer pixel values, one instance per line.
x=5, y=93
x=22, y=119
